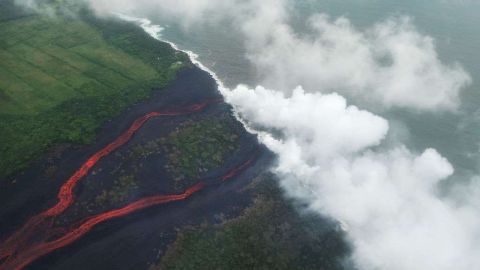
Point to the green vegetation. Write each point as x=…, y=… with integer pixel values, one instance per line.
x=192, y=149
x=62, y=76
x=121, y=190
x=269, y=235
x=197, y=147
x=116, y=194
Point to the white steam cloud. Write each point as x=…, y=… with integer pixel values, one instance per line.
x=390, y=64
x=187, y=12
x=330, y=155
x=388, y=198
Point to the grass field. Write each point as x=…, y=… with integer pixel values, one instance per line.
x=61, y=77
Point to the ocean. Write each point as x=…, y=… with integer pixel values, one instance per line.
x=454, y=24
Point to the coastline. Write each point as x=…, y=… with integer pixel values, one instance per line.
x=155, y=31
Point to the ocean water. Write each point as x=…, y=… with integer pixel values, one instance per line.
x=455, y=26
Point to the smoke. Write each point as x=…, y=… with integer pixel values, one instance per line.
x=332, y=156
x=185, y=12
x=389, y=64
x=37, y=6
x=387, y=198
x=50, y=8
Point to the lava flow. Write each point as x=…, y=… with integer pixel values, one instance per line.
x=33, y=252
x=30, y=254
x=15, y=250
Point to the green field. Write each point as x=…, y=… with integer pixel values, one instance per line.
x=62, y=76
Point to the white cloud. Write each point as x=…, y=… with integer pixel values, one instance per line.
x=36, y=6
x=185, y=12
x=352, y=130
x=390, y=64
x=388, y=198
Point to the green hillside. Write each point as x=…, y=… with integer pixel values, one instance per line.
x=62, y=76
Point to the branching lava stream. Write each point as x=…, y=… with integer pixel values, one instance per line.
x=19, y=250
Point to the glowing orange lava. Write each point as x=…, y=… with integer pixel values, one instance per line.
x=19, y=250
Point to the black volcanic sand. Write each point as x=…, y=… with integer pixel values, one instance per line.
x=136, y=240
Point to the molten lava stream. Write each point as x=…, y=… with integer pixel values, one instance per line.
x=237, y=169
x=65, y=196
x=30, y=254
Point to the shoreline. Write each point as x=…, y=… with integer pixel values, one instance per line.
x=155, y=30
